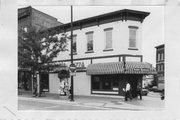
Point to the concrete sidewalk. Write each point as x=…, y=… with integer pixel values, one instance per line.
x=101, y=101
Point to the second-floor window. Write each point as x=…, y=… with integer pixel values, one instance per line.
x=133, y=36
x=89, y=41
x=74, y=47
x=162, y=56
x=159, y=57
x=108, y=38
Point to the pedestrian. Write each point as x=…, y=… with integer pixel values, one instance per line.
x=70, y=92
x=128, y=91
x=139, y=90
x=35, y=89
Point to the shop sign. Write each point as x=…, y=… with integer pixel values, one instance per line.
x=137, y=69
x=80, y=65
x=145, y=69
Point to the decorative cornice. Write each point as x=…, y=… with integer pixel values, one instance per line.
x=123, y=15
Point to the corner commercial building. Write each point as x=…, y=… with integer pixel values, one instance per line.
x=107, y=51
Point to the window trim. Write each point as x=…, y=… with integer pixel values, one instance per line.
x=136, y=39
x=88, y=33
x=105, y=32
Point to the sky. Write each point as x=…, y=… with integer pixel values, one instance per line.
x=91, y=2
x=153, y=25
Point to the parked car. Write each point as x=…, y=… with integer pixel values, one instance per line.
x=145, y=91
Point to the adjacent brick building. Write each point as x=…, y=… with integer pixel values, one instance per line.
x=29, y=17
x=160, y=59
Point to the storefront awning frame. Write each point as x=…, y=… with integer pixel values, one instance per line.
x=119, y=68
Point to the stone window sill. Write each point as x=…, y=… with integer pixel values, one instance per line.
x=132, y=48
x=107, y=50
x=89, y=52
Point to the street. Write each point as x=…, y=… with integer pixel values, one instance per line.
x=151, y=102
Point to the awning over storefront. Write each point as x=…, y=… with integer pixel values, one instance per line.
x=119, y=68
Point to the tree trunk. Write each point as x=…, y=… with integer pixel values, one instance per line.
x=39, y=85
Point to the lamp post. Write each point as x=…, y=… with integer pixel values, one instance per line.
x=72, y=88
x=124, y=64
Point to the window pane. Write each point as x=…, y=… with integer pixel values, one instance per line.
x=132, y=37
x=106, y=84
x=108, y=39
x=162, y=56
x=132, y=43
x=159, y=56
x=96, y=83
x=74, y=44
x=90, y=42
x=115, y=83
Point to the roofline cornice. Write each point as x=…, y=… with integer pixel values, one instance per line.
x=120, y=15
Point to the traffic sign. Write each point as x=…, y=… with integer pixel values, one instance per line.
x=72, y=69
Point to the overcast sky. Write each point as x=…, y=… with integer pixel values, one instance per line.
x=153, y=25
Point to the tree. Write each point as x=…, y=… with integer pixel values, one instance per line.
x=63, y=74
x=38, y=48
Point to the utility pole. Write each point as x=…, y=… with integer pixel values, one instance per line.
x=72, y=88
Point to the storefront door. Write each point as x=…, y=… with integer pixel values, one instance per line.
x=45, y=82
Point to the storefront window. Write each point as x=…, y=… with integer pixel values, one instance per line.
x=96, y=83
x=106, y=84
x=115, y=83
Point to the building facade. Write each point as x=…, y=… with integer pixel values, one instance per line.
x=160, y=59
x=107, y=52
x=29, y=17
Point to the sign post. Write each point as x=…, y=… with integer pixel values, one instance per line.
x=72, y=89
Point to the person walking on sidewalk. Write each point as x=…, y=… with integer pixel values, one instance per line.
x=35, y=89
x=128, y=91
x=139, y=90
x=70, y=92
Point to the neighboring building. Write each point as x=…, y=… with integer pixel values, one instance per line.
x=160, y=58
x=107, y=52
x=29, y=17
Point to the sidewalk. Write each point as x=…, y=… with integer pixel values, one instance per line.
x=101, y=101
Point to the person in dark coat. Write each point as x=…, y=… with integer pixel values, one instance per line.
x=70, y=91
x=139, y=90
x=35, y=89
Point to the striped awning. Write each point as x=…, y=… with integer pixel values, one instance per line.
x=121, y=68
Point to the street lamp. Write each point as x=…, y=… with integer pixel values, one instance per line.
x=72, y=88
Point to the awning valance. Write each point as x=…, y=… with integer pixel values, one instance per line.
x=119, y=68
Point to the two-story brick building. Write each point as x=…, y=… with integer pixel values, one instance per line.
x=29, y=17
x=107, y=52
